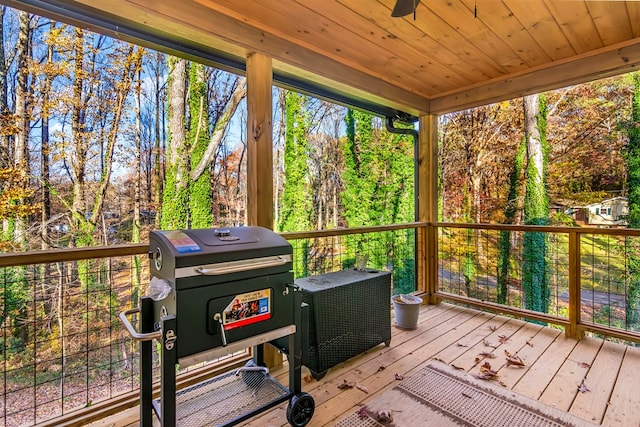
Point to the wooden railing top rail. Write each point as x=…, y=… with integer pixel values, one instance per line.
x=73, y=254
x=293, y=235
x=541, y=228
x=70, y=254
x=15, y=259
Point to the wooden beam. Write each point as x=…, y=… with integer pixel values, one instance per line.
x=259, y=141
x=427, y=183
x=606, y=62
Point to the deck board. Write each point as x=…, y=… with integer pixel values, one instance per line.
x=624, y=404
x=545, y=368
x=489, y=344
x=600, y=380
x=563, y=388
x=529, y=352
x=554, y=368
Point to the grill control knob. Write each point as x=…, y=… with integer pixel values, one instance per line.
x=222, y=232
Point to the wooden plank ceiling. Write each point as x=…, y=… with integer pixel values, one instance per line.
x=455, y=54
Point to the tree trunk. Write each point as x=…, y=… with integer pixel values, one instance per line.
x=200, y=203
x=219, y=132
x=132, y=64
x=159, y=150
x=78, y=158
x=5, y=157
x=44, y=150
x=536, y=207
x=21, y=147
x=175, y=204
x=505, y=243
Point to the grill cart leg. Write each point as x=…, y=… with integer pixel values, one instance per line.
x=168, y=380
x=295, y=346
x=258, y=355
x=146, y=363
x=301, y=406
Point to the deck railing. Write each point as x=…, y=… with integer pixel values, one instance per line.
x=589, y=273
x=64, y=349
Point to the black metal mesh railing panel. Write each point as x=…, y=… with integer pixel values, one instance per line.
x=610, y=280
x=514, y=268
x=63, y=346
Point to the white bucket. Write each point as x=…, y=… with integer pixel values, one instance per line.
x=407, y=308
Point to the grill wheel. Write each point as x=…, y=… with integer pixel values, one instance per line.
x=300, y=409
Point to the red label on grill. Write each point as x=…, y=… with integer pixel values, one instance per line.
x=247, y=309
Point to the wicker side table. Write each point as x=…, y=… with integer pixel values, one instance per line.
x=349, y=312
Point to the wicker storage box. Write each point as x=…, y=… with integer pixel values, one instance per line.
x=349, y=312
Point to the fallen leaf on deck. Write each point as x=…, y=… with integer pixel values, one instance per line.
x=488, y=343
x=457, y=367
x=487, y=376
x=493, y=328
x=399, y=377
x=363, y=388
x=582, y=388
x=486, y=373
x=476, y=361
x=503, y=339
x=488, y=355
x=584, y=365
x=462, y=345
x=514, y=360
x=346, y=385
x=381, y=368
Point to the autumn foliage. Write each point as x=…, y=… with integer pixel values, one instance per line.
x=16, y=195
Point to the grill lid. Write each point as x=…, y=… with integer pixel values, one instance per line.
x=177, y=249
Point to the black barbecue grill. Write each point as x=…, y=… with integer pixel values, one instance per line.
x=224, y=290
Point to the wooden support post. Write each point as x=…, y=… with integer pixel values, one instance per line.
x=428, y=206
x=260, y=155
x=573, y=330
x=259, y=141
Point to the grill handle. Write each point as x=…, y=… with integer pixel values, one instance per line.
x=218, y=318
x=135, y=334
x=226, y=269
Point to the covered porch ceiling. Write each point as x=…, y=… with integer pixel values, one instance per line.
x=456, y=54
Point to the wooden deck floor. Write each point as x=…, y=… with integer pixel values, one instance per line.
x=555, y=368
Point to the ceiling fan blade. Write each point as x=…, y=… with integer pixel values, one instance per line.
x=404, y=7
